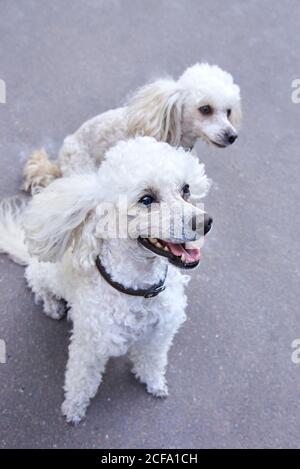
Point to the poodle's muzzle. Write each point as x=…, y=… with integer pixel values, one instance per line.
x=185, y=255
x=228, y=138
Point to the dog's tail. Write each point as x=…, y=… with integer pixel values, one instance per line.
x=39, y=171
x=12, y=236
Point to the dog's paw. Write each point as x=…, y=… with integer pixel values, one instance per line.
x=158, y=390
x=55, y=308
x=73, y=411
x=156, y=384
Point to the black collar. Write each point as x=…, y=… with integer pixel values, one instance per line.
x=145, y=292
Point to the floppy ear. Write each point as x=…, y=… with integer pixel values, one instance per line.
x=55, y=214
x=155, y=111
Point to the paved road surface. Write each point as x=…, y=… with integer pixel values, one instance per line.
x=232, y=381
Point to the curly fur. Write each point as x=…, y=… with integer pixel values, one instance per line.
x=12, y=239
x=63, y=238
x=167, y=110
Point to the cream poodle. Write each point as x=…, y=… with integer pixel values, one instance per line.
x=203, y=103
x=124, y=287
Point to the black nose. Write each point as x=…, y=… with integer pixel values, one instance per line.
x=208, y=221
x=206, y=226
x=230, y=137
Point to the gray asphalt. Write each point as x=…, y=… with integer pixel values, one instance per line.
x=231, y=378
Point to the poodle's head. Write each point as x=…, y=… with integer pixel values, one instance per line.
x=145, y=197
x=204, y=103
x=212, y=108
x=156, y=194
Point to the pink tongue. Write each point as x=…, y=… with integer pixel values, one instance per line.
x=191, y=255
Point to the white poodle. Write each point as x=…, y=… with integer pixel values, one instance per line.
x=125, y=291
x=204, y=103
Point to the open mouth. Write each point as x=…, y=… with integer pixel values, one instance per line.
x=178, y=254
x=218, y=144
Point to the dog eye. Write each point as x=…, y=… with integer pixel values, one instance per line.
x=205, y=110
x=147, y=200
x=228, y=112
x=186, y=191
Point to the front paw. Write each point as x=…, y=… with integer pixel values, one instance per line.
x=55, y=308
x=158, y=390
x=73, y=411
